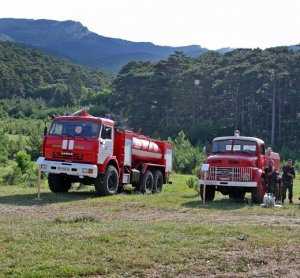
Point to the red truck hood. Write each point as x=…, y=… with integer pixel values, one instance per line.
x=82, y=150
x=228, y=160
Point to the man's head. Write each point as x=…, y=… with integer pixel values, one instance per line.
x=290, y=162
x=269, y=151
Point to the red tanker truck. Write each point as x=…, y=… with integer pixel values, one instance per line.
x=236, y=166
x=91, y=150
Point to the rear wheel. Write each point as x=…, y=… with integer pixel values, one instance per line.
x=147, y=183
x=108, y=183
x=59, y=183
x=158, y=181
x=209, y=193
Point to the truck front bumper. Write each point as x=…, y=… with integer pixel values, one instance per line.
x=229, y=183
x=72, y=169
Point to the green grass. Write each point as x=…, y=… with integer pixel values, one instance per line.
x=168, y=234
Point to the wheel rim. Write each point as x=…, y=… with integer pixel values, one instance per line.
x=112, y=182
x=148, y=184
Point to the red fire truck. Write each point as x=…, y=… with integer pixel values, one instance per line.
x=236, y=166
x=91, y=150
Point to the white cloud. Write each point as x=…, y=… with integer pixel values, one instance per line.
x=211, y=23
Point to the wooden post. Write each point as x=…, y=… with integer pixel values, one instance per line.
x=204, y=187
x=204, y=169
x=39, y=184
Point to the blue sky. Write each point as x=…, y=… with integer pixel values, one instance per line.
x=210, y=23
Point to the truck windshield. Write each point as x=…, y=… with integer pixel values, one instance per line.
x=244, y=146
x=75, y=128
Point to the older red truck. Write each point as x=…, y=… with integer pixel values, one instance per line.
x=91, y=150
x=236, y=166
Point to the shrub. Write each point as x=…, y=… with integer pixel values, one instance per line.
x=4, y=141
x=24, y=172
x=192, y=183
x=23, y=160
x=187, y=157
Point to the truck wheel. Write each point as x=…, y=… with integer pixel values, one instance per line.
x=147, y=183
x=59, y=183
x=108, y=183
x=257, y=194
x=209, y=193
x=237, y=194
x=158, y=181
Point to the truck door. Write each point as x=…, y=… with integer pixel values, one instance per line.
x=106, y=144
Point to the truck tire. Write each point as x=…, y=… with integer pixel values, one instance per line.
x=147, y=184
x=158, y=181
x=209, y=193
x=237, y=194
x=108, y=183
x=59, y=183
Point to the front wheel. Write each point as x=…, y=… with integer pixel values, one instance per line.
x=59, y=183
x=209, y=193
x=108, y=183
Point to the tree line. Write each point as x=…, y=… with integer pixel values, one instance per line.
x=254, y=90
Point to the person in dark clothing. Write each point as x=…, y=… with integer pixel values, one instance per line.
x=271, y=179
x=287, y=180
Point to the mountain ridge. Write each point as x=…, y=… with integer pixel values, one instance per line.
x=72, y=40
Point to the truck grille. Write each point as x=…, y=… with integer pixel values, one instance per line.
x=67, y=156
x=230, y=173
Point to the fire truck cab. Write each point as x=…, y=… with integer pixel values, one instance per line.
x=91, y=150
x=236, y=166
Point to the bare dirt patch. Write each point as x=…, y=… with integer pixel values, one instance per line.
x=135, y=212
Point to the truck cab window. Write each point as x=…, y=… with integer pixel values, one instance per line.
x=106, y=132
x=262, y=149
x=75, y=128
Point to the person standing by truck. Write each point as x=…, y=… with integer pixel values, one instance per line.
x=287, y=179
x=271, y=179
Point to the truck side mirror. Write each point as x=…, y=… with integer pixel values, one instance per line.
x=207, y=149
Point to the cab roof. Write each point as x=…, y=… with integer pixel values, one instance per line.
x=83, y=115
x=252, y=139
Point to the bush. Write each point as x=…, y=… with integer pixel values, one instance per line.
x=187, y=157
x=13, y=176
x=23, y=160
x=24, y=172
x=192, y=183
x=34, y=141
x=4, y=142
x=16, y=144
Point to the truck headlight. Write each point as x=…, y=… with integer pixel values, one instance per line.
x=87, y=171
x=43, y=166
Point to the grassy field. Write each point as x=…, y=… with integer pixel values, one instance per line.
x=129, y=235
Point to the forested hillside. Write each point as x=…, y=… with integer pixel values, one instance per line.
x=29, y=73
x=254, y=90
x=215, y=94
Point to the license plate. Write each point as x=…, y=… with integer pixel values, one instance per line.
x=63, y=169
